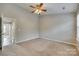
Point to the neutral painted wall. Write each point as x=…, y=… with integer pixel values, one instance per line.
x=77, y=28
x=26, y=23
x=78, y=25
x=60, y=27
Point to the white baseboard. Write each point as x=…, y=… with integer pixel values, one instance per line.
x=60, y=41
x=31, y=38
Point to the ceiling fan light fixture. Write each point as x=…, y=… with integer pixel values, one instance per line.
x=38, y=9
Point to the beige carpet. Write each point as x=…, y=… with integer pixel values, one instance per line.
x=0, y=52
x=40, y=47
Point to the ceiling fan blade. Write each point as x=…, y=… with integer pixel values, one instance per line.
x=32, y=6
x=33, y=11
x=44, y=10
x=41, y=4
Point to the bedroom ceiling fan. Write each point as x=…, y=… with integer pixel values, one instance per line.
x=38, y=8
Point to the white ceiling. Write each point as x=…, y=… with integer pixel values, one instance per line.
x=53, y=8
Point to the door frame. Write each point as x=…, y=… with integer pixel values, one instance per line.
x=7, y=19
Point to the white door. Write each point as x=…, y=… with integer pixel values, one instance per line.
x=7, y=31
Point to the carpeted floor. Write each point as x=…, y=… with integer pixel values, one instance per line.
x=40, y=47
x=0, y=52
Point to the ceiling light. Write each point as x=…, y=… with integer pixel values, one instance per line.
x=38, y=8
